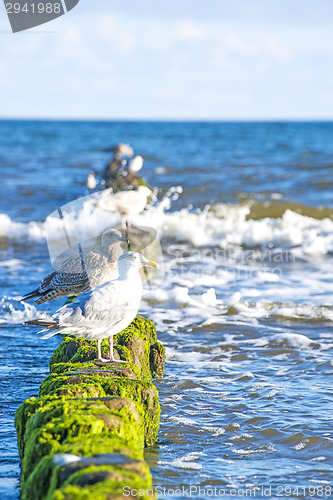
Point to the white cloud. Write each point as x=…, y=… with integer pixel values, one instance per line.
x=116, y=32
x=104, y=64
x=190, y=31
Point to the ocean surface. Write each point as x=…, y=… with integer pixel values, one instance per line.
x=244, y=302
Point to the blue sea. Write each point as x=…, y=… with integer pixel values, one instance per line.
x=244, y=217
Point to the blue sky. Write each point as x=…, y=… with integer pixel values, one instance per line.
x=184, y=59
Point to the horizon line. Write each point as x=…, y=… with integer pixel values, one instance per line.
x=173, y=120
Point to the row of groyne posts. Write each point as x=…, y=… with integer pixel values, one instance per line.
x=83, y=437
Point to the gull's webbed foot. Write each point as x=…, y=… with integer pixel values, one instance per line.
x=102, y=360
x=114, y=360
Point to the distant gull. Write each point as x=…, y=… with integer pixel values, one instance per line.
x=103, y=311
x=127, y=203
x=132, y=202
x=123, y=149
x=112, y=169
x=127, y=175
x=80, y=270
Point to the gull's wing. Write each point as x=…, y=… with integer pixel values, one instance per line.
x=88, y=262
x=59, y=284
x=104, y=305
x=65, y=281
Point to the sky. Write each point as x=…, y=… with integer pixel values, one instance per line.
x=180, y=59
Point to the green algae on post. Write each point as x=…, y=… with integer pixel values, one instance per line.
x=84, y=436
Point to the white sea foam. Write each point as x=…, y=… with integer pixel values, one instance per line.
x=292, y=339
x=182, y=420
x=222, y=225
x=216, y=431
x=200, y=290
x=192, y=311
x=264, y=309
x=14, y=312
x=12, y=263
x=20, y=231
x=185, y=462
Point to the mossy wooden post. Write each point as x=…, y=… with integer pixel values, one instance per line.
x=83, y=437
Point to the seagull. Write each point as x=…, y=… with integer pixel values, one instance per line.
x=127, y=203
x=102, y=311
x=112, y=169
x=80, y=269
x=132, y=202
x=127, y=175
x=123, y=149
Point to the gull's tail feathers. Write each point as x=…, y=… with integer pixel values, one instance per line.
x=31, y=295
x=49, y=335
x=49, y=324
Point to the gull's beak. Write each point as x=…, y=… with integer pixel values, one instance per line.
x=151, y=263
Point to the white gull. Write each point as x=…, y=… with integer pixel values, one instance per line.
x=102, y=311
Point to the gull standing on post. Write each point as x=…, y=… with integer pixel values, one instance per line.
x=131, y=203
x=127, y=176
x=112, y=168
x=103, y=311
x=82, y=269
x=127, y=203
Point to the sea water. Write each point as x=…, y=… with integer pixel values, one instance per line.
x=244, y=217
